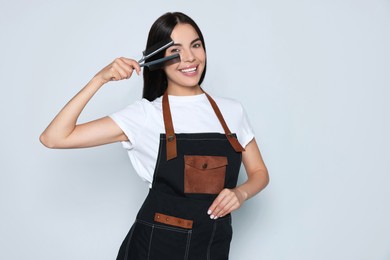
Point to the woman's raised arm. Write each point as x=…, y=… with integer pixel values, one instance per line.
x=64, y=132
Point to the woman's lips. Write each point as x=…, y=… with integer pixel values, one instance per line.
x=190, y=71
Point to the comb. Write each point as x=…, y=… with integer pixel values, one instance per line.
x=153, y=50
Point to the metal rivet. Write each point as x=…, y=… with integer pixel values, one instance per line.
x=171, y=138
x=204, y=166
x=158, y=216
x=167, y=219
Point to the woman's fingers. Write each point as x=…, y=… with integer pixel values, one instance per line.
x=127, y=66
x=227, y=201
x=133, y=64
x=119, y=69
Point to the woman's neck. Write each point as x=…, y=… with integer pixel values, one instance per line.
x=184, y=91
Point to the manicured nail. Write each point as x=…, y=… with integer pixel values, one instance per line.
x=209, y=212
x=212, y=216
x=216, y=217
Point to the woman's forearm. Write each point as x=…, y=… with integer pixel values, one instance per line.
x=255, y=183
x=229, y=200
x=256, y=170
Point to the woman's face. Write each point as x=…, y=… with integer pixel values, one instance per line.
x=184, y=76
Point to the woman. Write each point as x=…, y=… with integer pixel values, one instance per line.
x=179, y=140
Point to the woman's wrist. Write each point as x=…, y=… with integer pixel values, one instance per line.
x=98, y=80
x=241, y=194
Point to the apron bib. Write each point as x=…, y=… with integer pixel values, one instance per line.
x=191, y=170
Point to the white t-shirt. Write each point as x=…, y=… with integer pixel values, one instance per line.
x=142, y=122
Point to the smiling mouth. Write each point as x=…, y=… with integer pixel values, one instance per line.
x=189, y=70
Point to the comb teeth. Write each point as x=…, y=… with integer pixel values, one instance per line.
x=158, y=47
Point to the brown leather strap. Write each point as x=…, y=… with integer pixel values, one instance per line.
x=173, y=221
x=231, y=138
x=169, y=131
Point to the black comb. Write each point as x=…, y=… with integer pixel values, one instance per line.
x=162, y=45
x=156, y=64
x=153, y=50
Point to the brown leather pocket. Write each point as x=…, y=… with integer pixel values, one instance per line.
x=204, y=174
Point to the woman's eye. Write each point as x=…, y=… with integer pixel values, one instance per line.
x=197, y=45
x=174, y=50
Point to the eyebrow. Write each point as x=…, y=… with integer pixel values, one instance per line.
x=179, y=44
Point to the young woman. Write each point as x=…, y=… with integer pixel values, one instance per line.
x=180, y=141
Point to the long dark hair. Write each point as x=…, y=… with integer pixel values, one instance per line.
x=155, y=81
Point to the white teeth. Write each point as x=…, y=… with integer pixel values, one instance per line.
x=189, y=70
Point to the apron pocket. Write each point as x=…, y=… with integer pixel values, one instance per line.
x=169, y=243
x=155, y=242
x=219, y=245
x=204, y=174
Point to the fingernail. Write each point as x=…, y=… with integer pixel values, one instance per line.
x=216, y=217
x=209, y=212
x=212, y=216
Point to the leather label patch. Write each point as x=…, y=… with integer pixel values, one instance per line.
x=173, y=221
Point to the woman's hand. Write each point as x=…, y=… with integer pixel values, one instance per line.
x=120, y=68
x=227, y=201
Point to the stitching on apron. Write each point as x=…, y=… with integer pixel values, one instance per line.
x=150, y=242
x=188, y=245
x=164, y=227
x=154, y=226
x=129, y=240
x=172, y=229
x=211, y=240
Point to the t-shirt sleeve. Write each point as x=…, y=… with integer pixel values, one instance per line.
x=244, y=131
x=131, y=120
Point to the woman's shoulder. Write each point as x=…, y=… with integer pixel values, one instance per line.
x=228, y=104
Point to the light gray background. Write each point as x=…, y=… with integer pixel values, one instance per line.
x=312, y=75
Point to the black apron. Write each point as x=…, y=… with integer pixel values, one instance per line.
x=191, y=170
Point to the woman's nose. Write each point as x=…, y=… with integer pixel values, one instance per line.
x=187, y=56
